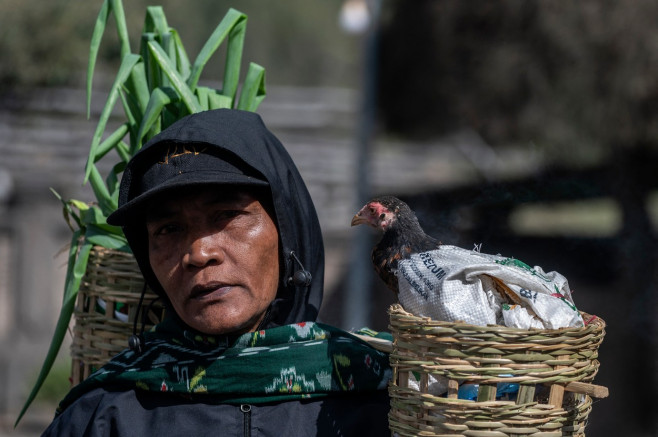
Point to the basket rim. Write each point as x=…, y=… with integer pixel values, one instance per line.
x=398, y=314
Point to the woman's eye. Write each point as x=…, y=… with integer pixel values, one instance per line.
x=167, y=229
x=228, y=214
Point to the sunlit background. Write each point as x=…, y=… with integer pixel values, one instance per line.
x=528, y=127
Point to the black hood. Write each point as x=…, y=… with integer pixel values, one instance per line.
x=243, y=135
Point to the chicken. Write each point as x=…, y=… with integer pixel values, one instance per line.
x=402, y=237
x=449, y=283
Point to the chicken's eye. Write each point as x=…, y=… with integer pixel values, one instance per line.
x=372, y=210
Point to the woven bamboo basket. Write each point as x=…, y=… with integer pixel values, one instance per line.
x=106, y=309
x=553, y=368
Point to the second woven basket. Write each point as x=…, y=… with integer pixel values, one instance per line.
x=553, y=368
x=106, y=309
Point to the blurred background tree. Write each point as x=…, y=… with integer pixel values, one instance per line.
x=41, y=43
x=47, y=43
x=578, y=78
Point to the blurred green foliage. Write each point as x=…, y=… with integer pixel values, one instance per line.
x=44, y=42
x=297, y=41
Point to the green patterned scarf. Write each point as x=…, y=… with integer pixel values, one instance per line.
x=291, y=362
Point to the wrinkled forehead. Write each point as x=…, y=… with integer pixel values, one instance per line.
x=202, y=196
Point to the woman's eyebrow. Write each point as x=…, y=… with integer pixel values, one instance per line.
x=234, y=200
x=230, y=198
x=160, y=213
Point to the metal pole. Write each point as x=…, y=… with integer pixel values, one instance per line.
x=356, y=306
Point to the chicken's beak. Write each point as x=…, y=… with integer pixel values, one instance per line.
x=358, y=219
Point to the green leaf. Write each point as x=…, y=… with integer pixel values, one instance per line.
x=108, y=229
x=126, y=66
x=138, y=86
x=124, y=151
x=91, y=215
x=79, y=204
x=234, y=58
x=169, y=49
x=102, y=193
x=231, y=18
x=115, y=7
x=130, y=101
x=111, y=141
x=132, y=112
x=96, y=37
x=112, y=181
x=93, y=218
x=155, y=20
x=160, y=97
x=253, y=90
x=77, y=265
x=202, y=96
x=122, y=29
x=182, y=61
x=100, y=237
x=67, y=211
x=177, y=81
x=153, y=75
x=172, y=114
x=219, y=101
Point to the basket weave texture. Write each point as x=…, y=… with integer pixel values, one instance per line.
x=542, y=362
x=106, y=308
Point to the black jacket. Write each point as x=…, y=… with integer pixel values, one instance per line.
x=103, y=412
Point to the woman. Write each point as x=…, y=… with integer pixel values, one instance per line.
x=224, y=230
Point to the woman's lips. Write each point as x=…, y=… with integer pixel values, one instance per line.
x=211, y=290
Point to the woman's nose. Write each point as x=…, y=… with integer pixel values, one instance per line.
x=203, y=250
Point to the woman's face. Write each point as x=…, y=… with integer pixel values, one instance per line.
x=216, y=255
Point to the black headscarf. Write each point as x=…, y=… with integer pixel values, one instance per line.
x=242, y=138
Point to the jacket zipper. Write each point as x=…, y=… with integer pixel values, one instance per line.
x=246, y=411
